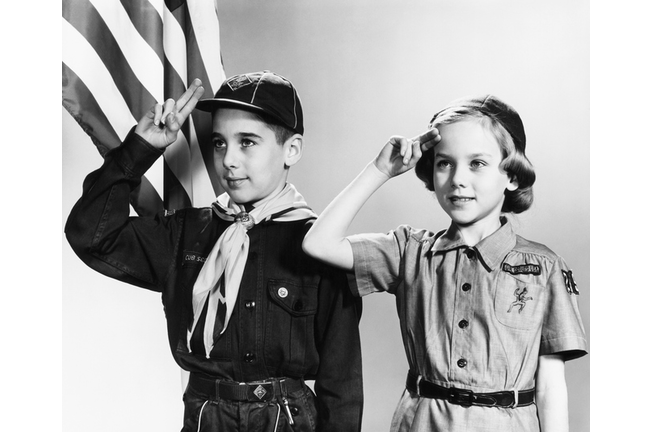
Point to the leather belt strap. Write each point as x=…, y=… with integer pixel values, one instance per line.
x=255, y=391
x=505, y=399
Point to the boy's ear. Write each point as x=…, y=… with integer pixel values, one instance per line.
x=293, y=147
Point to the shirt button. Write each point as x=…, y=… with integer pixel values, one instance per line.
x=470, y=253
x=250, y=304
x=283, y=292
x=466, y=287
x=294, y=411
x=463, y=324
x=462, y=363
x=249, y=357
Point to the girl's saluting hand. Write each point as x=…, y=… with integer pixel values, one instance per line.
x=401, y=154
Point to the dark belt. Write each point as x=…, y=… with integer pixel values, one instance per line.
x=255, y=391
x=505, y=399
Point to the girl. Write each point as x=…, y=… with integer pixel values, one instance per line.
x=487, y=317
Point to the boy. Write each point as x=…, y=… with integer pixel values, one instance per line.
x=249, y=315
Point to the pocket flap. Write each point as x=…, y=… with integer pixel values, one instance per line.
x=296, y=299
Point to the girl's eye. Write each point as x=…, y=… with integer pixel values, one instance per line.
x=477, y=164
x=442, y=164
x=219, y=144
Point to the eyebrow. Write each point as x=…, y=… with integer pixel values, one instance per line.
x=472, y=156
x=239, y=135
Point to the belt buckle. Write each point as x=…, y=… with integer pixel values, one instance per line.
x=260, y=392
x=461, y=397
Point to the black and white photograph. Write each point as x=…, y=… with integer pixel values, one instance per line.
x=429, y=269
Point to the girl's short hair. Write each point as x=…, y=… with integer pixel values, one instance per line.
x=506, y=126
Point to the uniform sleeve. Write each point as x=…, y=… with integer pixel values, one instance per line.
x=136, y=250
x=563, y=331
x=378, y=261
x=339, y=380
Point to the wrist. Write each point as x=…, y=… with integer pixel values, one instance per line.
x=374, y=168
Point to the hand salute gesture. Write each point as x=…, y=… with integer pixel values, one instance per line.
x=160, y=125
x=401, y=154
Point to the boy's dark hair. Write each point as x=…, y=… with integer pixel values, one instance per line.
x=281, y=132
x=514, y=162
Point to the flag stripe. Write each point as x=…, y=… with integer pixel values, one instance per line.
x=203, y=14
x=85, y=62
x=93, y=28
x=148, y=23
x=91, y=118
x=138, y=61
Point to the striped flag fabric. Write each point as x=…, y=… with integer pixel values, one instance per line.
x=119, y=58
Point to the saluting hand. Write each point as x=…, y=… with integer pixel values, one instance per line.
x=401, y=154
x=160, y=125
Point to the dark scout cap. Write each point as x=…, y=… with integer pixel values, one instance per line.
x=264, y=92
x=493, y=107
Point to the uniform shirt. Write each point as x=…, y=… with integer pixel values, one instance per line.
x=474, y=318
x=294, y=317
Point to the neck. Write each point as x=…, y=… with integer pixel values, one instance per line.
x=474, y=233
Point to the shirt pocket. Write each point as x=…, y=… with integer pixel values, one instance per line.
x=518, y=303
x=289, y=329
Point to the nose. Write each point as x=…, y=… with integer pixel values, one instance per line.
x=229, y=157
x=459, y=176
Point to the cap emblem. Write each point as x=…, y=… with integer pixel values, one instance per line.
x=238, y=81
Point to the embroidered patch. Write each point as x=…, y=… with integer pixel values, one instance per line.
x=522, y=269
x=520, y=300
x=169, y=212
x=259, y=392
x=238, y=81
x=572, y=288
x=193, y=257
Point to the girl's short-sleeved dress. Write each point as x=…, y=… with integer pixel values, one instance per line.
x=475, y=318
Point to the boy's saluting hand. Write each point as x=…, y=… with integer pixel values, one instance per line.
x=401, y=154
x=160, y=125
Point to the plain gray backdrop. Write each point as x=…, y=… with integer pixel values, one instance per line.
x=365, y=70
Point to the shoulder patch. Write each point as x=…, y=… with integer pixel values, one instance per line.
x=533, y=269
x=572, y=288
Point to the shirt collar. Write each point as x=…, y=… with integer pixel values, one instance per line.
x=491, y=250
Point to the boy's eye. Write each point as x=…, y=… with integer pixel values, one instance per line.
x=247, y=143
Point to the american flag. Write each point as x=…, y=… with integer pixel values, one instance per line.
x=119, y=58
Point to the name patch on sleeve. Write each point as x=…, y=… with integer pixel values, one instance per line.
x=533, y=269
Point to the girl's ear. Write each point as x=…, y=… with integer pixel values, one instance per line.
x=513, y=185
x=293, y=148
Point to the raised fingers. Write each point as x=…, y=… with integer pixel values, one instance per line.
x=186, y=103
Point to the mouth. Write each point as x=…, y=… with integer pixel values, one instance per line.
x=233, y=182
x=460, y=200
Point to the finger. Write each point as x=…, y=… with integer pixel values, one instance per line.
x=428, y=139
x=408, y=152
x=157, y=110
x=168, y=107
x=189, y=104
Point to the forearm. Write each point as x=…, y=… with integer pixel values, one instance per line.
x=326, y=239
x=99, y=228
x=551, y=395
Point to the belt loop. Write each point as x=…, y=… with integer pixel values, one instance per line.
x=419, y=380
x=515, y=398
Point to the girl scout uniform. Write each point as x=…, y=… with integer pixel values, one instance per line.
x=474, y=321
